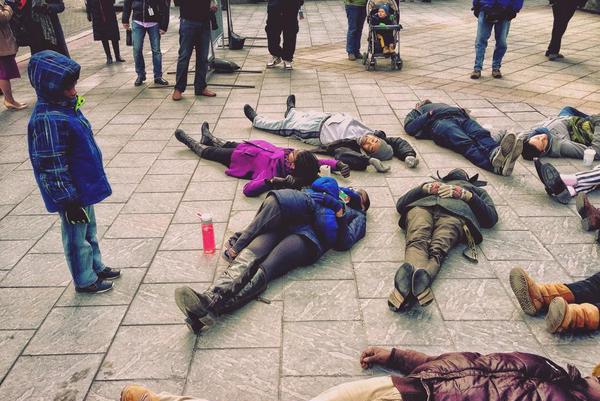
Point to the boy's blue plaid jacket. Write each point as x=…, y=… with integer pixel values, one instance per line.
x=66, y=161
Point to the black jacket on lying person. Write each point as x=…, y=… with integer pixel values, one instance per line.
x=479, y=212
x=350, y=152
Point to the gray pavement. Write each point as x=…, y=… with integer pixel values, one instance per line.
x=58, y=345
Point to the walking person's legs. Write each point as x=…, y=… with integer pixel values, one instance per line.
x=353, y=14
x=484, y=31
x=154, y=34
x=117, y=50
x=274, y=28
x=501, y=29
x=290, y=33
x=562, y=11
x=187, y=34
x=9, y=100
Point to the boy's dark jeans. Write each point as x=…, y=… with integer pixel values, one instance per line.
x=282, y=19
x=587, y=291
x=193, y=34
x=467, y=137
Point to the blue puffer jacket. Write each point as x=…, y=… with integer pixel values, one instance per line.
x=66, y=161
x=514, y=5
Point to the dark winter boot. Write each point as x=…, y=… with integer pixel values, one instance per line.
x=208, y=138
x=188, y=302
x=421, y=287
x=589, y=214
x=290, y=103
x=249, y=112
x=256, y=286
x=188, y=141
x=401, y=295
x=226, y=287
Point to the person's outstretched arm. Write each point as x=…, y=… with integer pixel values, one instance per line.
x=402, y=149
x=403, y=360
x=483, y=207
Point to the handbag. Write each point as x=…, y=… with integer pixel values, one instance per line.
x=128, y=38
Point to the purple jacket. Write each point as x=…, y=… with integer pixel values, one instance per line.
x=259, y=161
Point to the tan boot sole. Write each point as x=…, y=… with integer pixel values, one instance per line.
x=556, y=314
x=426, y=297
x=396, y=301
x=518, y=283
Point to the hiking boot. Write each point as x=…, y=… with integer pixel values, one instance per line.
x=511, y=160
x=109, y=274
x=476, y=74
x=589, y=214
x=507, y=144
x=496, y=73
x=401, y=295
x=287, y=65
x=273, y=62
x=290, y=103
x=208, y=139
x=161, y=81
x=98, y=287
x=533, y=297
x=137, y=393
x=421, y=287
x=249, y=112
x=563, y=317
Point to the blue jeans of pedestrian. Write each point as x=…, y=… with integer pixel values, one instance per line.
x=138, y=34
x=82, y=250
x=193, y=34
x=467, y=137
x=356, y=20
x=571, y=111
x=484, y=31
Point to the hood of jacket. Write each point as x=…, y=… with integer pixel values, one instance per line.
x=326, y=184
x=50, y=74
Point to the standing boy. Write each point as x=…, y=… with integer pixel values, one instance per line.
x=67, y=165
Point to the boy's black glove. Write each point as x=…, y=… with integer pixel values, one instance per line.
x=76, y=215
x=343, y=168
x=476, y=11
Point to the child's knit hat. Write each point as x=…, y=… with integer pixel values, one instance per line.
x=385, y=151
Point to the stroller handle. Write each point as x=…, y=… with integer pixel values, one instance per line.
x=386, y=27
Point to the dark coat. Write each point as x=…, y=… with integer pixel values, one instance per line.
x=349, y=151
x=66, y=161
x=104, y=19
x=140, y=10
x=469, y=376
x=37, y=41
x=478, y=212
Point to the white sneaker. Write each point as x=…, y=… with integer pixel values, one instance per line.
x=273, y=62
x=287, y=65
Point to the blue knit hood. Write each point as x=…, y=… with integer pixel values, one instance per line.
x=50, y=74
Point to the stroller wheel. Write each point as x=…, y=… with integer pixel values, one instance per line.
x=399, y=64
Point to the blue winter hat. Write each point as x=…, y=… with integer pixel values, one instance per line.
x=385, y=8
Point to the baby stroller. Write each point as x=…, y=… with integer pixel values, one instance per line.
x=375, y=50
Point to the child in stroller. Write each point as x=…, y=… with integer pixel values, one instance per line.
x=381, y=16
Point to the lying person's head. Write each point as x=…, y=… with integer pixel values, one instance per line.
x=534, y=146
x=358, y=199
x=305, y=165
x=376, y=147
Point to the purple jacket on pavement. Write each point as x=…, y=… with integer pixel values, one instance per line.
x=259, y=161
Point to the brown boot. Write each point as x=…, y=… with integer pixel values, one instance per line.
x=177, y=95
x=563, y=317
x=534, y=297
x=137, y=393
x=589, y=214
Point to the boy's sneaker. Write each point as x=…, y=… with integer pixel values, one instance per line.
x=496, y=73
x=273, y=62
x=351, y=57
x=249, y=112
x=109, y=274
x=98, y=287
x=287, y=65
x=476, y=74
x=506, y=146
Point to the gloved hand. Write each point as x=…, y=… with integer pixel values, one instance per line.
x=454, y=191
x=343, y=168
x=281, y=183
x=76, y=215
x=379, y=166
x=476, y=11
x=432, y=188
x=327, y=201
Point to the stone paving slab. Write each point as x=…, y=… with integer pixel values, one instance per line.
x=81, y=347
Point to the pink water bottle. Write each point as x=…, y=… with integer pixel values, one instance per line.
x=208, y=234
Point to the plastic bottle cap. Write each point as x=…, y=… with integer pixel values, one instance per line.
x=206, y=218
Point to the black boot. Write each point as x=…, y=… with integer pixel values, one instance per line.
x=208, y=138
x=249, y=112
x=401, y=296
x=227, y=286
x=188, y=141
x=421, y=287
x=188, y=302
x=118, y=58
x=256, y=286
x=290, y=103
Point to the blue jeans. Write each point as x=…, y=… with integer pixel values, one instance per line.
x=192, y=35
x=484, y=31
x=467, y=137
x=138, y=34
x=572, y=111
x=82, y=250
x=356, y=20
